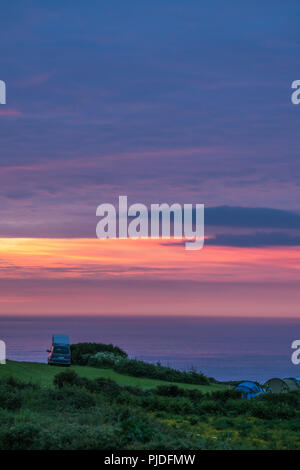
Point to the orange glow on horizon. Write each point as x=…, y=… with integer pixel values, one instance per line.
x=91, y=276
x=77, y=258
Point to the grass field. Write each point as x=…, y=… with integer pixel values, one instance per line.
x=44, y=374
x=89, y=414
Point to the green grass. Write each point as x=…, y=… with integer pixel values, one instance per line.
x=44, y=374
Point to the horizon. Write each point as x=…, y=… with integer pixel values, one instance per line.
x=146, y=316
x=41, y=276
x=225, y=348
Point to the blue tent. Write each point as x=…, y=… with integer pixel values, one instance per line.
x=249, y=389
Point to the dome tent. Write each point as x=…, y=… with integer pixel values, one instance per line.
x=249, y=389
x=276, y=385
x=292, y=383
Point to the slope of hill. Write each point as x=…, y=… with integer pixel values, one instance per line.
x=83, y=407
x=44, y=374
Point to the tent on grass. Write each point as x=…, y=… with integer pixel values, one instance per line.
x=276, y=385
x=292, y=383
x=249, y=389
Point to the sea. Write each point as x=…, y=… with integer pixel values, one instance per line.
x=225, y=348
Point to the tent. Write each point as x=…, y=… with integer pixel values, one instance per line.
x=292, y=383
x=249, y=389
x=276, y=386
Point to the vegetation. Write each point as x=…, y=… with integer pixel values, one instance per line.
x=96, y=413
x=43, y=375
x=117, y=359
x=81, y=352
x=118, y=403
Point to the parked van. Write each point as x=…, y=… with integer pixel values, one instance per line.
x=60, y=353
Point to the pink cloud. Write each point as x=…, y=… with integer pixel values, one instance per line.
x=10, y=112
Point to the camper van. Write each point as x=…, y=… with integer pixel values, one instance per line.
x=60, y=353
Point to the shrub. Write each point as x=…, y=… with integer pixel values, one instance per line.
x=234, y=407
x=225, y=395
x=10, y=398
x=157, y=371
x=210, y=407
x=103, y=385
x=20, y=436
x=174, y=391
x=104, y=359
x=79, y=437
x=290, y=398
x=14, y=383
x=178, y=405
x=194, y=395
x=136, y=391
x=68, y=377
x=107, y=355
x=264, y=411
x=71, y=397
x=81, y=352
x=136, y=429
x=169, y=391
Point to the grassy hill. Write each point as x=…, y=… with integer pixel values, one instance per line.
x=82, y=409
x=43, y=375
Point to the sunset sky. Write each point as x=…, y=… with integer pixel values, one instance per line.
x=162, y=101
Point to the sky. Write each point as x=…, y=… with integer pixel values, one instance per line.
x=162, y=101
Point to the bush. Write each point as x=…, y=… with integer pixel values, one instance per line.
x=225, y=395
x=169, y=391
x=107, y=355
x=30, y=436
x=178, y=405
x=68, y=377
x=17, y=384
x=104, y=359
x=10, y=398
x=234, y=407
x=136, y=429
x=210, y=407
x=264, y=411
x=79, y=437
x=138, y=392
x=103, y=385
x=81, y=352
x=71, y=397
x=174, y=391
x=157, y=371
x=20, y=436
x=290, y=398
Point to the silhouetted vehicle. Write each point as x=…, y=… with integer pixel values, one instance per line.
x=60, y=353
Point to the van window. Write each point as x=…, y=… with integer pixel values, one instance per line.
x=61, y=350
